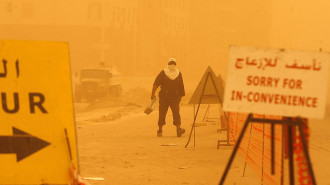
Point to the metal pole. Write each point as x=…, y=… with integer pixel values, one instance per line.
x=200, y=101
x=302, y=136
x=263, y=152
x=272, y=148
x=193, y=126
x=194, y=136
x=235, y=150
x=206, y=112
x=290, y=143
x=194, y=109
x=68, y=143
x=282, y=155
x=247, y=150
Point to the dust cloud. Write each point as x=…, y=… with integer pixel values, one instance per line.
x=137, y=37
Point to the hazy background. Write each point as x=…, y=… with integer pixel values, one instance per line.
x=138, y=36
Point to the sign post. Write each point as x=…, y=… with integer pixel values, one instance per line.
x=36, y=95
x=276, y=82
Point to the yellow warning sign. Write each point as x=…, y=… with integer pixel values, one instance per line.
x=209, y=89
x=36, y=99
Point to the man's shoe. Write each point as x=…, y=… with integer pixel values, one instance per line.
x=180, y=131
x=159, y=133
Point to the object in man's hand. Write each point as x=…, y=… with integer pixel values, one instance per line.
x=151, y=106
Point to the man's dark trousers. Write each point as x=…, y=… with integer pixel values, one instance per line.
x=173, y=103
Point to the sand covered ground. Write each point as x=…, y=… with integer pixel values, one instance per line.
x=117, y=141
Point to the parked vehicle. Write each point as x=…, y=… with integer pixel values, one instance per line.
x=97, y=83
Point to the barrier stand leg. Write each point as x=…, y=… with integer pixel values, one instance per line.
x=290, y=151
x=68, y=143
x=206, y=115
x=263, y=152
x=194, y=135
x=247, y=150
x=302, y=137
x=193, y=126
x=290, y=126
x=195, y=116
x=272, y=133
x=283, y=154
x=223, y=178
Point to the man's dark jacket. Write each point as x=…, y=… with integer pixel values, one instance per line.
x=170, y=89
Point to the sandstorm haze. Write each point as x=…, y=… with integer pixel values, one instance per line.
x=138, y=36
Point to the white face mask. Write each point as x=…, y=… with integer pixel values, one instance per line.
x=171, y=71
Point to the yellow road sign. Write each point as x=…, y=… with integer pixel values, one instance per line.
x=36, y=99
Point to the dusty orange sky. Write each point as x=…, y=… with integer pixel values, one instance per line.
x=138, y=35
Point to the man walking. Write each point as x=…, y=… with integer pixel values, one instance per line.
x=172, y=89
